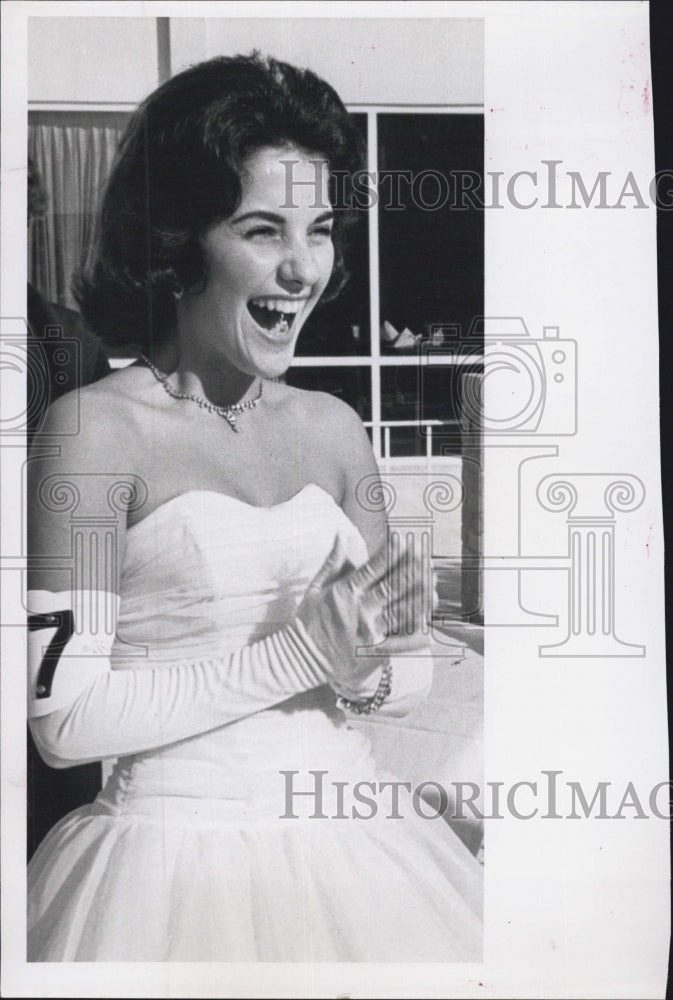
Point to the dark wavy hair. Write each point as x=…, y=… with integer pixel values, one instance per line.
x=178, y=171
x=37, y=196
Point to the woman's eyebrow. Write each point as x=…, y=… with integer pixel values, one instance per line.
x=279, y=220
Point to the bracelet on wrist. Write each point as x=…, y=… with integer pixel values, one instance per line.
x=370, y=705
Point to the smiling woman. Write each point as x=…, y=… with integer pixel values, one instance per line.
x=267, y=263
x=210, y=629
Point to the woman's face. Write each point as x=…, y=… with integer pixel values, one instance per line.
x=267, y=265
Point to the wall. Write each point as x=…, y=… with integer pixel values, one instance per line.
x=368, y=60
x=91, y=59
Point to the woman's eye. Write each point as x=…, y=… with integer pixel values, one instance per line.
x=262, y=232
x=322, y=232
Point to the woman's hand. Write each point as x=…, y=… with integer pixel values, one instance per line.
x=357, y=618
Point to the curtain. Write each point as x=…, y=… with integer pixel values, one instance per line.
x=73, y=153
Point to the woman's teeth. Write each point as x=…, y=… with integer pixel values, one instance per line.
x=278, y=305
x=274, y=315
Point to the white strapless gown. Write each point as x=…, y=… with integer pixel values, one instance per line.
x=184, y=855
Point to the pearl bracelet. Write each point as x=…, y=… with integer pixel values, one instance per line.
x=370, y=705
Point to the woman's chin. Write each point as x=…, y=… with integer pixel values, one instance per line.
x=270, y=364
x=269, y=354
x=273, y=357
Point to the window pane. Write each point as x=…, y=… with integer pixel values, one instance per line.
x=431, y=239
x=353, y=385
x=341, y=327
x=428, y=395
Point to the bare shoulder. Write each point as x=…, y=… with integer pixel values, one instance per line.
x=334, y=420
x=122, y=393
x=86, y=459
x=93, y=427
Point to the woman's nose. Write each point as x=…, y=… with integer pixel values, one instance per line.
x=298, y=268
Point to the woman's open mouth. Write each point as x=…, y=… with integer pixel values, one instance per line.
x=275, y=316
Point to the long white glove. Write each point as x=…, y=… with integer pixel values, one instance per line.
x=82, y=710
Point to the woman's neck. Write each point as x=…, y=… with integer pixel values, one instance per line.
x=193, y=372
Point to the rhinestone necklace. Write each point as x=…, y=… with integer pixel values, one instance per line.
x=230, y=413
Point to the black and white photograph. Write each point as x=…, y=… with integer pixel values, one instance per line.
x=331, y=560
